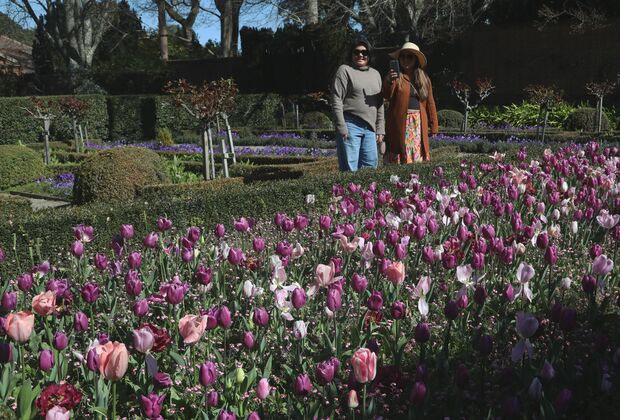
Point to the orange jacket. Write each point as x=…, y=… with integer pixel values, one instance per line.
x=397, y=93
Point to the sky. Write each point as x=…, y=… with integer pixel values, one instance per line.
x=208, y=26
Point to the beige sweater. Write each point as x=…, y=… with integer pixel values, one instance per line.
x=357, y=92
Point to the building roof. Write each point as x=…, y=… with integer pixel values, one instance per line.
x=16, y=55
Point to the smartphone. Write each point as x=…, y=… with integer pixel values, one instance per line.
x=394, y=65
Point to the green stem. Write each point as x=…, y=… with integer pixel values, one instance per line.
x=364, y=404
x=114, y=400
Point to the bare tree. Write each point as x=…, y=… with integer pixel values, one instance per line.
x=599, y=91
x=582, y=16
x=78, y=26
x=184, y=12
x=546, y=97
x=229, y=11
x=484, y=88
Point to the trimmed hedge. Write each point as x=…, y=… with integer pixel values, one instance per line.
x=584, y=119
x=131, y=118
x=19, y=165
x=449, y=118
x=13, y=208
x=115, y=174
x=18, y=126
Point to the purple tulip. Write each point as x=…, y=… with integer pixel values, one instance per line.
x=451, y=310
x=118, y=245
x=398, y=310
x=302, y=385
x=92, y=360
x=141, y=307
x=248, y=340
x=595, y=250
x=258, y=244
x=485, y=345
x=60, y=341
x=162, y=380
x=261, y=317
x=90, y=292
x=77, y=249
x=83, y=233
x=226, y=415
x=46, y=360
x=164, y=224
x=101, y=262
x=547, y=372
x=480, y=295
x=127, y=231
x=478, y=261
x=325, y=372
x=80, y=322
x=187, y=254
x=223, y=316
x=588, y=283
x=6, y=353
x=418, y=393
x=208, y=374
x=152, y=405
x=359, y=283
x=551, y=255
x=235, y=256
x=422, y=332
x=213, y=399
x=375, y=301
x=298, y=298
x=509, y=293
x=562, y=401
x=284, y=249
x=601, y=266
x=9, y=301
x=334, y=299
x=24, y=282
x=542, y=240
x=428, y=254
x=2, y=256
x=133, y=285
x=175, y=290
x=193, y=234
x=378, y=248
x=300, y=221
x=151, y=240
x=219, y=231
x=325, y=222
x=134, y=260
x=204, y=275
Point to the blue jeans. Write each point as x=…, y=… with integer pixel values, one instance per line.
x=359, y=149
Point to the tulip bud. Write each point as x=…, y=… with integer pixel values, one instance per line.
x=258, y=244
x=224, y=319
x=298, y=298
x=480, y=295
x=127, y=231
x=334, y=299
x=6, y=353
x=451, y=310
x=547, y=372
x=80, y=322
x=359, y=283
x=418, y=393
x=208, y=374
x=248, y=340
x=92, y=360
x=46, y=360
x=299, y=330
x=24, y=282
x=398, y=310
x=262, y=389
x=162, y=380
x=213, y=399
x=141, y=307
x=9, y=301
x=375, y=301
x=422, y=332
x=77, y=249
x=352, y=401
x=239, y=375
x=134, y=260
x=535, y=389
x=60, y=341
x=302, y=385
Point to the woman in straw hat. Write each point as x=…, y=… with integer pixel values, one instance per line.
x=411, y=109
x=357, y=105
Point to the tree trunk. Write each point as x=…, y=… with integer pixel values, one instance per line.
x=599, y=126
x=162, y=30
x=312, y=12
x=229, y=25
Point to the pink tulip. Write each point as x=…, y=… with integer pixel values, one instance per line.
x=58, y=413
x=364, y=364
x=395, y=272
x=263, y=388
x=44, y=303
x=19, y=326
x=192, y=328
x=113, y=359
x=143, y=340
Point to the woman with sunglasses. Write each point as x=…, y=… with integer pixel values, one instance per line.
x=357, y=105
x=411, y=108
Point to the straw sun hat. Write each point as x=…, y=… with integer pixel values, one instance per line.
x=410, y=46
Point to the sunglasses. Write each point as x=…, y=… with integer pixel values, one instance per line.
x=407, y=56
x=361, y=52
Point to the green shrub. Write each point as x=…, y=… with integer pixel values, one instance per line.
x=115, y=174
x=164, y=137
x=584, y=119
x=449, y=118
x=518, y=115
x=12, y=207
x=317, y=119
x=167, y=114
x=131, y=118
x=256, y=110
x=19, y=165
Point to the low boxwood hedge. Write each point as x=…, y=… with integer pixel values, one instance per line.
x=13, y=209
x=19, y=165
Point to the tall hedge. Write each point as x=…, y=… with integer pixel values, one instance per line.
x=131, y=118
x=16, y=125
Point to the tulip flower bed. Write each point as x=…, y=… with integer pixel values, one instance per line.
x=490, y=295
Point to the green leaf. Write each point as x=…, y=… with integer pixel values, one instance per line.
x=267, y=369
x=177, y=358
x=99, y=410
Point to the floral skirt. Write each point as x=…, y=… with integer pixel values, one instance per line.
x=413, y=141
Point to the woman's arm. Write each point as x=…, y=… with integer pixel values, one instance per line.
x=431, y=111
x=389, y=86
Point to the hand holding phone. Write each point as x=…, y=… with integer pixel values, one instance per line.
x=394, y=69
